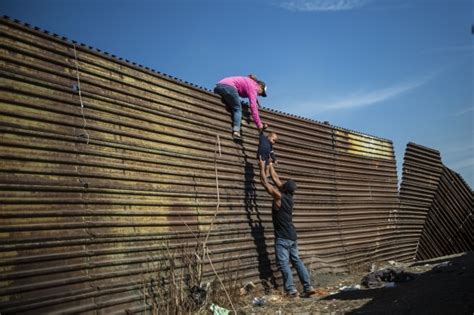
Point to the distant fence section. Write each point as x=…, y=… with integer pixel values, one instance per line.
x=104, y=163
x=436, y=206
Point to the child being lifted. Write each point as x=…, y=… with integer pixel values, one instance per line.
x=265, y=151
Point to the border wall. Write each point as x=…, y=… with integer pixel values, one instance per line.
x=436, y=206
x=92, y=191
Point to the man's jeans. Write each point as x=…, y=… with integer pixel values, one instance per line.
x=286, y=250
x=232, y=100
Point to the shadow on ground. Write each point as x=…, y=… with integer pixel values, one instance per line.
x=446, y=289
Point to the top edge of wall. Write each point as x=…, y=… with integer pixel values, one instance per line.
x=82, y=46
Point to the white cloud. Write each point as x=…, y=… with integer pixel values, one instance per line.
x=322, y=5
x=462, y=164
x=459, y=148
x=464, y=111
x=450, y=49
x=361, y=99
x=377, y=96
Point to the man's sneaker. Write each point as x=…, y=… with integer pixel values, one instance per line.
x=236, y=135
x=309, y=293
x=292, y=295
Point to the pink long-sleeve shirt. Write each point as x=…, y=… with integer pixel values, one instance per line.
x=246, y=87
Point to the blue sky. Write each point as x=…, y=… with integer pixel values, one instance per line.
x=397, y=69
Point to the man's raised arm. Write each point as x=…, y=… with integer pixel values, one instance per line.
x=268, y=187
x=275, y=177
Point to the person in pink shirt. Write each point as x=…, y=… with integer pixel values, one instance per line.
x=231, y=89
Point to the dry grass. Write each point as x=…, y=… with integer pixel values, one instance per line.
x=177, y=283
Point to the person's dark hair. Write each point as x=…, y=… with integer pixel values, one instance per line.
x=253, y=77
x=261, y=83
x=289, y=187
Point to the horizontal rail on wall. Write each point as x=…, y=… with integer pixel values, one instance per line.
x=94, y=188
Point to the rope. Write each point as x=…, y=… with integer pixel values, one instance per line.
x=344, y=249
x=206, y=250
x=80, y=96
x=222, y=283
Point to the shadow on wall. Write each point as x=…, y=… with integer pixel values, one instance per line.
x=256, y=225
x=445, y=290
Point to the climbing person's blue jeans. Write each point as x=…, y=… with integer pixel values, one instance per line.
x=286, y=251
x=231, y=98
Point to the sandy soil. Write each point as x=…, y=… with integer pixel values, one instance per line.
x=442, y=286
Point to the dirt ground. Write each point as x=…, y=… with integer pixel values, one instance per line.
x=442, y=286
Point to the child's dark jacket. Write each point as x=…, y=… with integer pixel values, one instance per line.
x=265, y=149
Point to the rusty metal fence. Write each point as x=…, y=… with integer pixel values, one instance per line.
x=422, y=169
x=105, y=162
x=449, y=227
x=436, y=206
